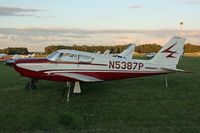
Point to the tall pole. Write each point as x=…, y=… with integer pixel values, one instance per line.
x=181, y=35
x=181, y=28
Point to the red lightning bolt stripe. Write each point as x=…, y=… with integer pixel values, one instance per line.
x=168, y=50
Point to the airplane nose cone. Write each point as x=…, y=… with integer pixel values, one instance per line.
x=10, y=62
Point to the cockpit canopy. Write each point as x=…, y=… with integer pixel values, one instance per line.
x=69, y=57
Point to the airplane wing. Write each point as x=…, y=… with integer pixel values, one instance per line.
x=78, y=77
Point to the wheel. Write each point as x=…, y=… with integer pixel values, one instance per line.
x=30, y=85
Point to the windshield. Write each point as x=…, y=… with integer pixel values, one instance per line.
x=53, y=56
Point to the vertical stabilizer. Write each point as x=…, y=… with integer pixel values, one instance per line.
x=170, y=54
x=128, y=53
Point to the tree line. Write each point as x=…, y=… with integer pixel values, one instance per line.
x=113, y=49
x=190, y=48
x=14, y=50
x=146, y=48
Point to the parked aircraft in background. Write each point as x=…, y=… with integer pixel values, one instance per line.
x=2, y=56
x=150, y=55
x=107, y=52
x=17, y=57
x=127, y=53
x=77, y=66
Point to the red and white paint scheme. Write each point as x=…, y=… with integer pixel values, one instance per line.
x=78, y=66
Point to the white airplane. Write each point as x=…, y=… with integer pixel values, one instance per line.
x=2, y=56
x=17, y=56
x=150, y=55
x=128, y=53
x=107, y=52
x=77, y=66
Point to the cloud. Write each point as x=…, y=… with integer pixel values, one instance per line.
x=124, y=39
x=2, y=36
x=35, y=39
x=191, y=2
x=48, y=38
x=46, y=17
x=81, y=33
x=22, y=12
x=8, y=37
x=16, y=11
x=135, y=6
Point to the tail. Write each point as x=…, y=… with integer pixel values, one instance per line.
x=128, y=52
x=107, y=52
x=170, y=54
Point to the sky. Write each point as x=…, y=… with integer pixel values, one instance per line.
x=36, y=24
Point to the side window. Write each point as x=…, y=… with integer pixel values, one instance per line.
x=86, y=59
x=65, y=57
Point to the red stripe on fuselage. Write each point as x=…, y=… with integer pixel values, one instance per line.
x=42, y=60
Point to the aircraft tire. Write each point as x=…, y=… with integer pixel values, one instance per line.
x=30, y=86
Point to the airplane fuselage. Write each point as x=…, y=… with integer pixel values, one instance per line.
x=102, y=68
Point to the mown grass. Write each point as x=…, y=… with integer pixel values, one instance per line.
x=132, y=105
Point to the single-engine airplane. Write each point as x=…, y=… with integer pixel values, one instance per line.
x=77, y=66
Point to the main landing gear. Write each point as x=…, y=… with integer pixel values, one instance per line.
x=76, y=90
x=31, y=85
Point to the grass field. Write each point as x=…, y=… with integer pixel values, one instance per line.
x=132, y=105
